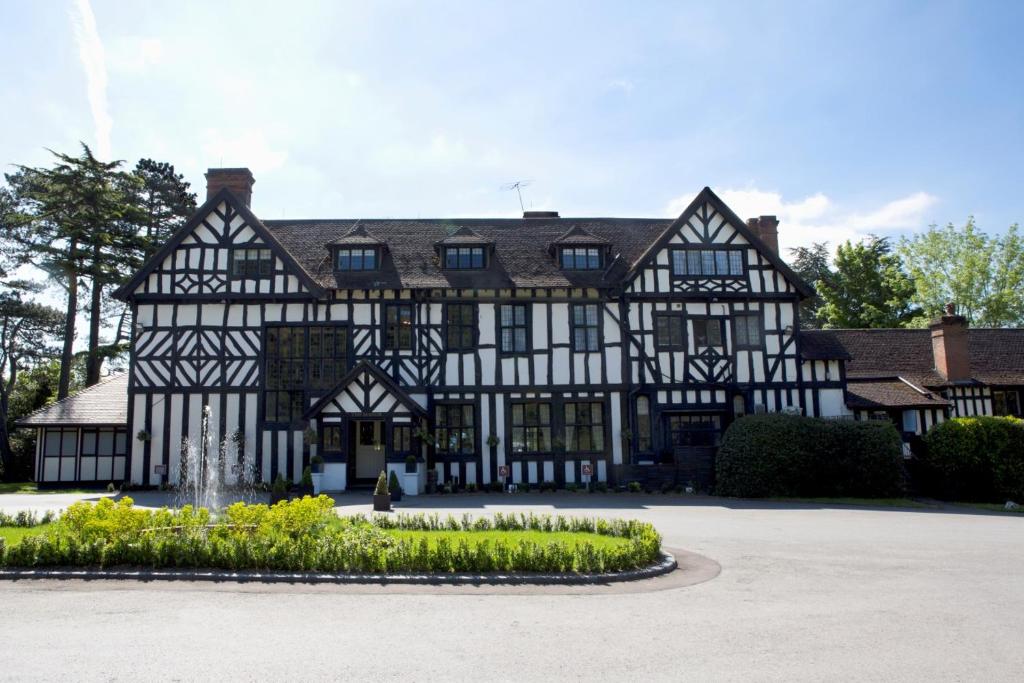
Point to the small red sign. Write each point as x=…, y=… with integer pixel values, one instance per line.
x=587, y=469
x=503, y=471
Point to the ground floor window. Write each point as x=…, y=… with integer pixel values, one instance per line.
x=694, y=430
x=104, y=452
x=455, y=428
x=584, y=427
x=401, y=439
x=531, y=427
x=60, y=446
x=1006, y=403
x=643, y=423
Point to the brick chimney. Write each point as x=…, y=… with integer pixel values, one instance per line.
x=949, y=345
x=767, y=229
x=238, y=180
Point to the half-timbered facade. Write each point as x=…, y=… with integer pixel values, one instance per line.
x=538, y=349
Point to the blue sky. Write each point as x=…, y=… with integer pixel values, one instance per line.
x=842, y=118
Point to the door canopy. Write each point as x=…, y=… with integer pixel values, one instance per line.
x=365, y=390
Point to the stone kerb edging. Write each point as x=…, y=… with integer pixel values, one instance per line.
x=667, y=563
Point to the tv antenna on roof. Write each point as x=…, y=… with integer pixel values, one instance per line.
x=518, y=187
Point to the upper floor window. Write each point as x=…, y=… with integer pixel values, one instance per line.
x=581, y=258
x=669, y=331
x=585, y=326
x=531, y=427
x=356, y=259
x=456, y=428
x=708, y=332
x=748, y=331
x=398, y=327
x=464, y=258
x=251, y=262
x=514, y=328
x=707, y=262
x=460, y=322
x=297, y=359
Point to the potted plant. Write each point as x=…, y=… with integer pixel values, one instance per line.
x=306, y=483
x=394, y=488
x=493, y=440
x=381, y=497
x=317, y=464
x=280, y=490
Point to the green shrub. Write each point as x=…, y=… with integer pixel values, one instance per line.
x=393, y=485
x=634, y=487
x=973, y=459
x=381, y=488
x=779, y=455
x=307, y=478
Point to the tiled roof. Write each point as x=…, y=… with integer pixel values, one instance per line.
x=521, y=257
x=893, y=393
x=821, y=345
x=997, y=355
x=577, y=235
x=105, y=403
x=356, y=236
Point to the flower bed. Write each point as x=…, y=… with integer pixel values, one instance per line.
x=306, y=535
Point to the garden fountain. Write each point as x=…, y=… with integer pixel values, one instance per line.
x=208, y=474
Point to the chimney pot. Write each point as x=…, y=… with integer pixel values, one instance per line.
x=238, y=180
x=540, y=214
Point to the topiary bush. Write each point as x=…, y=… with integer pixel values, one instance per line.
x=783, y=455
x=978, y=459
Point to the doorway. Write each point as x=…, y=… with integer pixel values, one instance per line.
x=694, y=439
x=368, y=449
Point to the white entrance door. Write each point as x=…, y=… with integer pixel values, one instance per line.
x=369, y=448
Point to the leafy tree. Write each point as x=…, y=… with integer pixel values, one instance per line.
x=78, y=222
x=868, y=287
x=27, y=330
x=812, y=264
x=164, y=199
x=983, y=275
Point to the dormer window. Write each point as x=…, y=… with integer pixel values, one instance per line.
x=581, y=258
x=464, y=258
x=356, y=259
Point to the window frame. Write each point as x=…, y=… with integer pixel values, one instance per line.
x=585, y=326
x=600, y=426
x=704, y=320
x=713, y=250
x=737, y=339
x=338, y=251
x=670, y=316
x=293, y=386
x=461, y=325
x=388, y=329
x=264, y=257
x=408, y=439
x=472, y=252
x=584, y=258
x=526, y=426
x=473, y=439
x=1006, y=394
x=526, y=326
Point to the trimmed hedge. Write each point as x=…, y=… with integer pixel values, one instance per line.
x=306, y=535
x=784, y=455
x=977, y=459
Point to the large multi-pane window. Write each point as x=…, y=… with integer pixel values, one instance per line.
x=460, y=320
x=356, y=259
x=464, y=258
x=300, y=358
x=1006, y=402
x=584, y=427
x=103, y=454
x=643, y=423
x=585, y=335
x=251, y=262
x=707, y=262
x=398, y=327
x=531, y=427
x=708, y=332
x=455, y=428
x=748, y=331
x=514, y=328
x=581, y=258
x=669, y=331
x=60, y=446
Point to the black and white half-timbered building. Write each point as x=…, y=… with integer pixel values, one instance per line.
x=538, y=349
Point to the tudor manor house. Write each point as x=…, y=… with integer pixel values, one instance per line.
x=535, y=349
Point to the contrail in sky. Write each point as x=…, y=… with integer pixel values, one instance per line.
x=94, y=63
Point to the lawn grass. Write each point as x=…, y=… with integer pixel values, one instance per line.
x=994, y=507
x=474, y=538
x=13, y=534
x=878, y=502
x=31, y=487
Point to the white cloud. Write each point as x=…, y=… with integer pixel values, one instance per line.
x=817, y=218
x=91, y=54
x=135, y=54
x=247, y=147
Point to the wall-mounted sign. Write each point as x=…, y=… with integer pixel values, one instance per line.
x=587, y=469
x=160, y=469
x=503, y=471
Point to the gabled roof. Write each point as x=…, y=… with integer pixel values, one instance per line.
x=103, y=404
x=579, y=235
x=358, y=235
x=706, y=196
x=379, y=376
x=125, y=291
x=463, y=236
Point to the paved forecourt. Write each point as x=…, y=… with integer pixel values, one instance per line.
x=805, y=593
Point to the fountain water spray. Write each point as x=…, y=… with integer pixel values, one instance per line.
x=208, y=473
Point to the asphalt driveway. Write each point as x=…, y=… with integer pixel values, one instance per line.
x=805, y=593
